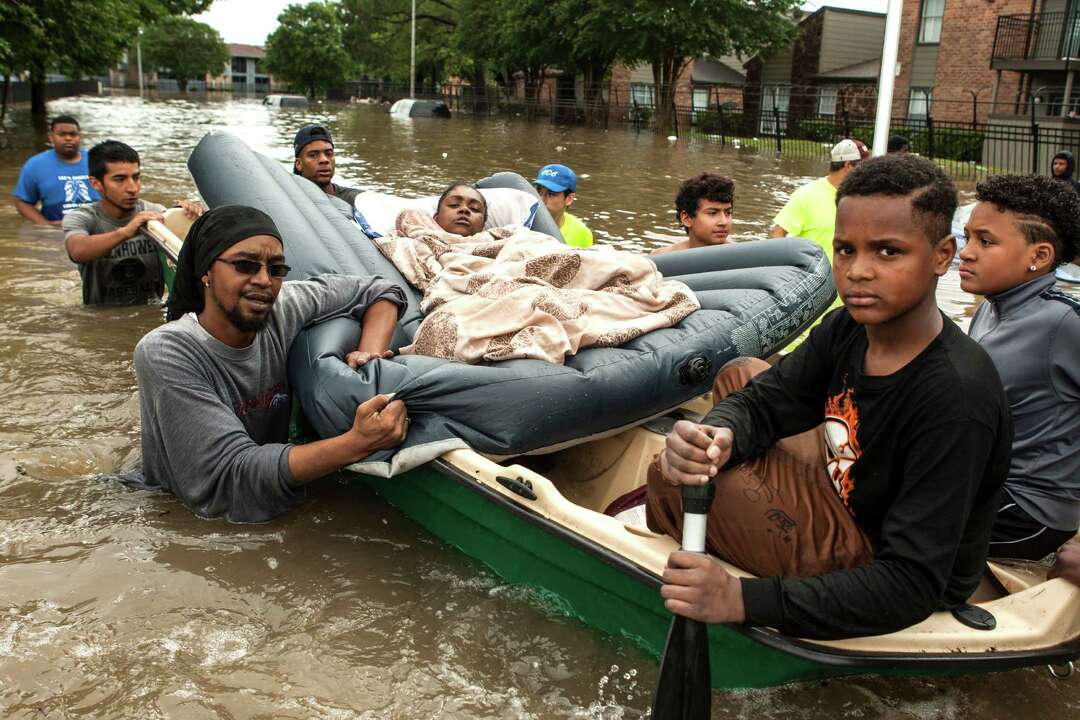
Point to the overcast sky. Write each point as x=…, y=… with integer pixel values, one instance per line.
x=243, y=21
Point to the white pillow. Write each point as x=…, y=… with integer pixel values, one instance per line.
x=376, y=212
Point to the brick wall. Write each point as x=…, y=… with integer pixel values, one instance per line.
x=619, y=90
x=967, y=41
x=621, y=79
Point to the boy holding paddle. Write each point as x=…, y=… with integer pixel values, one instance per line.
x=858, y=478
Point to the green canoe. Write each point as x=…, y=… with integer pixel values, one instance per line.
x=539, y=522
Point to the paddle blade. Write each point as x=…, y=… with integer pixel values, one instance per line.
x=683, y=691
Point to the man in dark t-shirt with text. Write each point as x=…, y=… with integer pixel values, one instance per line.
x=859, y=477
x=118, y=262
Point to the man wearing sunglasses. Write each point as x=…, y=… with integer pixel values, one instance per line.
x=314, y=151
x=214, y=397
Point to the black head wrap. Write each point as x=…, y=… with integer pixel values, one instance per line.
x=211, y=235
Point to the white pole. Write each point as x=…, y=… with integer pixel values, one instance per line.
x=412, y=54
x=138, y=57
x=888, y=76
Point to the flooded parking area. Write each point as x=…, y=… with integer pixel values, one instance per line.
x=121, y=604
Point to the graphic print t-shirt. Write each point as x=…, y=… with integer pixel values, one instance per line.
x=842, y=442
x=58, y=185
x=918, y=457
x=131, y=273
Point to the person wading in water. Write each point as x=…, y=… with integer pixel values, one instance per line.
x=214, y=398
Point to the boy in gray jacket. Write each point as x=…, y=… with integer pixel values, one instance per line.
x=213, y=391
x=1022, y=228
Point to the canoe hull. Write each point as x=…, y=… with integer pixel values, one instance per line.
x=577, y=578
x=582, y=579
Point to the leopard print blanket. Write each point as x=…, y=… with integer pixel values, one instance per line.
x=513, y=293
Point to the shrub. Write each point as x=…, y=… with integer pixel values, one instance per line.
x=953, y=144
x=712, y=122
x=640, y=114
x=817, y=130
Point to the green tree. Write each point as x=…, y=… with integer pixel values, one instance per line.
x=378, y=33
x=75, y=37
x=670, y=35
x=186, y=49
x=503, y=35
x=595, y=42
x=307, y=48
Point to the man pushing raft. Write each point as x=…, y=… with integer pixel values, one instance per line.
x=214, y=398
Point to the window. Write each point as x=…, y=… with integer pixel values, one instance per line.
x=930, y=21
x=919, y=102
x=701, y=98
x=826, y=104
x=239, y=65
x=642, y=94
x=774, y=97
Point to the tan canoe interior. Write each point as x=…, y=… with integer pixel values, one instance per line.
x=574, y=486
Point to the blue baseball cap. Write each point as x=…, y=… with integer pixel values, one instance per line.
x=557, y=178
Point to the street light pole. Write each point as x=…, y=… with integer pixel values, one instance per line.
x=138, y=59
x=887, y=78
x=412, y=55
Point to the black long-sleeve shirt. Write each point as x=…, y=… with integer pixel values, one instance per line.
x=918, y=458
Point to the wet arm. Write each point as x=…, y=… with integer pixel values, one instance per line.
x=84, y=248
x=379, y=424
x=31, y=213
x=378, y=326
x=325, y=297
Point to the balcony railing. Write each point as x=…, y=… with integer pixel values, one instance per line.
x=1042, y=36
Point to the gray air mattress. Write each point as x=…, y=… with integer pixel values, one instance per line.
x=755, y=298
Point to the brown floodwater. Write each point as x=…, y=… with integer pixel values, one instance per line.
x=121, y=604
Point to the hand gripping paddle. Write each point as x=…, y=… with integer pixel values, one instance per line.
x=683, y=691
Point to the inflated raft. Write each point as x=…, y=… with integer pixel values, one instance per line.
x=755, y=297
x=541, y=520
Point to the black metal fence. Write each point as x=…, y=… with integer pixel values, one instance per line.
x=969, y=150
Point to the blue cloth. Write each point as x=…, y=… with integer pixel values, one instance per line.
x=59, y=186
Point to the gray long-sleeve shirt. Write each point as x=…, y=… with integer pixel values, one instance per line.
x=1032, y=333
x=215, y=419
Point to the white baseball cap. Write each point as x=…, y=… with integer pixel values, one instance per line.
x=849, y=149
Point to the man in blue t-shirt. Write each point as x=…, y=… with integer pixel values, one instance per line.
x=58, y=178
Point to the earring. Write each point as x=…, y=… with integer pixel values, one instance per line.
x=207, y=283
x=1033, y=268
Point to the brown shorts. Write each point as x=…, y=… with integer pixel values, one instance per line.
x=776, y=514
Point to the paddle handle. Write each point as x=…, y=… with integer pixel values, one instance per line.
x=696, y=500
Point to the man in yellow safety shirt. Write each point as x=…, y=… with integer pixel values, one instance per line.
x=811, y=211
